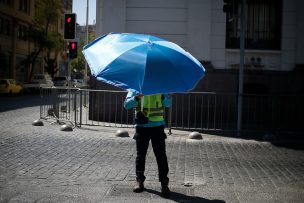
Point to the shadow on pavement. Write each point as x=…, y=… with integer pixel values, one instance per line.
x=14, y=102
x=179, y=197
x=288, y=139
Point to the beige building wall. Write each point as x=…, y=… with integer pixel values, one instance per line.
x=199, y=26
x=13, y=49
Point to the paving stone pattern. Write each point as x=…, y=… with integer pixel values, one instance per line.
x=90, y=164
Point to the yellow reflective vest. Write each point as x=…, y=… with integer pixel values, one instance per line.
x=153, y=107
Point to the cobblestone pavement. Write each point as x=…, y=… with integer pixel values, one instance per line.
x=90, y=164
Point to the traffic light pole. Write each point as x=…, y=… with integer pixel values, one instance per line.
x=241, y=69
x=87, y=41
x=69, y=71
x=86, y=64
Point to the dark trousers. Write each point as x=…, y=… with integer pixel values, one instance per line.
x=157, y=136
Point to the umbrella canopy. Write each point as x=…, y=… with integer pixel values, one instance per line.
x=143, y=63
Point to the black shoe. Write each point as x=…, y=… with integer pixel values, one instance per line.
x=139, y=187
x=165, y=189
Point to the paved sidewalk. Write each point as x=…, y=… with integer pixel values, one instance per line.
x=90, y=164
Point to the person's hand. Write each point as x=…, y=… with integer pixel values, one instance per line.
x=139, y=96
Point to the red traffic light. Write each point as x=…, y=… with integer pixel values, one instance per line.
x=73, y=45
x=69, y=25
x=73, y=50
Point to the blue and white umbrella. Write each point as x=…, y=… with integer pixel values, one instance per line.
x=143, y=63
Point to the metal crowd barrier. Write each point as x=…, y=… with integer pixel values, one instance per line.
x=85, y=107
x=61, y=104
x=200, y=111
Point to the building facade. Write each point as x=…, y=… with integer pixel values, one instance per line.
x=16, y=19
x=273, y=37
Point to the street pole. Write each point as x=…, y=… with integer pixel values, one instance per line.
x=69, y=71
x=241, y=69
x=86, y=64
x=87, y=41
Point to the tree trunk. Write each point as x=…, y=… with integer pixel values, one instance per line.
x=39, y=50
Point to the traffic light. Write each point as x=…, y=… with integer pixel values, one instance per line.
x=69, y=26
x=73, y=50
x=228, y=6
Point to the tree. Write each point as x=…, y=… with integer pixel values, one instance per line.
x=51, y=65
x=54, y=43
x=46, y=14
x=78, y=64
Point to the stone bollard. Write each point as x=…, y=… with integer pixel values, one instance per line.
x=195, y=136
x=66, y=127
x=37, y=123
x=122, y=133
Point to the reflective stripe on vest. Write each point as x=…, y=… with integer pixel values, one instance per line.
x=152, y=107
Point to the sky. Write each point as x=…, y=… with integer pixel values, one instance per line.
x=80, y=8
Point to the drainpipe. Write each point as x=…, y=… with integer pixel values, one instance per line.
x=12, y=72
x=241, y=69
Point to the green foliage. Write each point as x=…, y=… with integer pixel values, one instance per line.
x=78, y=64
x=48, y=12
x=54, y=41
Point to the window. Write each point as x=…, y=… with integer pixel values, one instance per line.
x=263, y=25
x=5, y=26
x=7, y=2
x=4, y=60
x=23, y=6
x=22, y=32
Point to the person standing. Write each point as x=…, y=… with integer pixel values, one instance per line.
x=150, y=125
